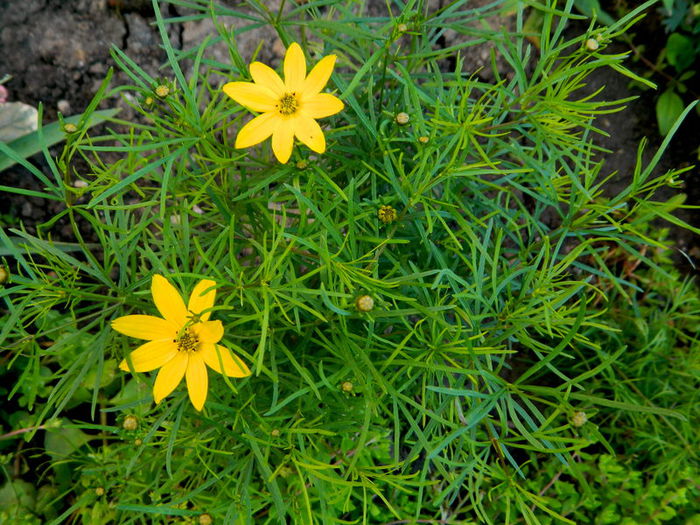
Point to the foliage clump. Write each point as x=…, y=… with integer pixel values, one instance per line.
x=510, y=292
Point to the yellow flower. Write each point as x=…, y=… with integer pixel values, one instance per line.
x=289, y=108
x=182, y=343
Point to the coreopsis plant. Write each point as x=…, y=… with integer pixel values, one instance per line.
x=289, y=108
x=181, y=343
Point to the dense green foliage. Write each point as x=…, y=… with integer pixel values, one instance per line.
x=531, y=355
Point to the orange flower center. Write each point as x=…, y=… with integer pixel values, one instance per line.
x=188, y=342
x=288, y=104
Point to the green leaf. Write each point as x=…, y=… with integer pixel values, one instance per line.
x=679, y=51
x=668, y=108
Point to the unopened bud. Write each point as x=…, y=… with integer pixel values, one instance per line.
x=70, y=128
x=579, y=419
x=423, y=139
x=347, y=386
x=275, y=433
x=592, y=44
x=402, y=118
x=100, y=491
x=302, y=165
x=364, y=303
x=130, y=423
x=205, y=519
x=162, y=91
x=402, y=28
x=387, y=214
x=4, y=275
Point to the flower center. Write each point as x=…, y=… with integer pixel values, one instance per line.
x=288, y=104
x=187, y=342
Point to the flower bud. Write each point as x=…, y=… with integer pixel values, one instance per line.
x=579, y=419
x=130, y=423
x=402, y=118
x=364, y=303
x=4, y=275
x=423, y=139
x=275, y=433
x=347, y=386
x=387, y=214
x=205, y=519
x=162, y=91
x=70, y=128
x=100, y=491
x=592, y=44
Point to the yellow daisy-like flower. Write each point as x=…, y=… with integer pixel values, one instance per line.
x=182, y=343
x=289, y=108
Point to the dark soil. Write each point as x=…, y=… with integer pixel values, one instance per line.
x=58, y=52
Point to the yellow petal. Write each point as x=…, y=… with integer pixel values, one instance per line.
x=168, y=301
x=170, y=376
x=283, y=140
x=202, y=298
x=267, y=77
x=145, y=327
x=197, y=380
x=318, y=77
x=222, y=360
x=294, y=68
x=252, y=96
x=309, y=132
x=321, y=105
x=209, y=331
x=150, y=356
x=257, y=130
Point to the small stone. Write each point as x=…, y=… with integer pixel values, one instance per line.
x=63, y=106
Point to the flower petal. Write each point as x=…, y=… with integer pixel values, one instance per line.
x=146, y=327
x=252, y=96
x=197, y=380
x=170, y=376
x=318, y=77
x=222, y=360
x=168, y=301
x=321, y=105
x=309, y=132
x=294, y=68
x=283, y=140
x=202, y=300
x=150, y=356
x=209, y=331
x=257, y=130
x=264, y=75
